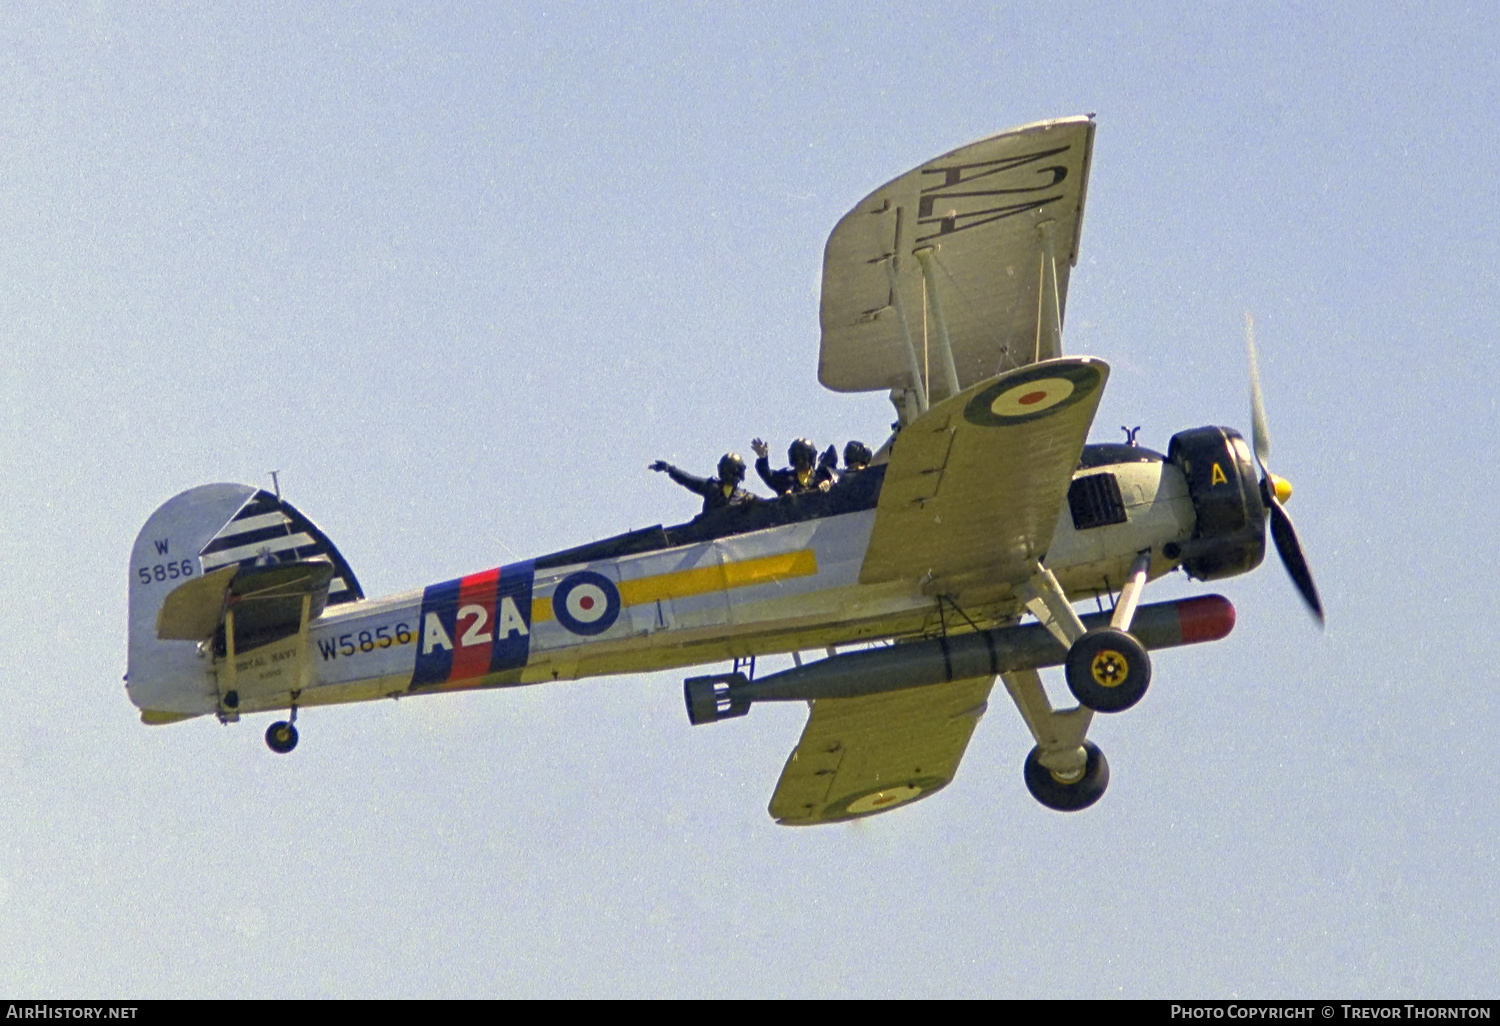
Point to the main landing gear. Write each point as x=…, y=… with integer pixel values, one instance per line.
x=1107, y=670
x=281, y=736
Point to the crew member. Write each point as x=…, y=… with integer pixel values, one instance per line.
x=799, y=477
x=857, y=457
x=718, y=492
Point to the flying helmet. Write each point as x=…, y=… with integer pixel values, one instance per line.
x=731, y=468
x=802, y=453
x=857, y=455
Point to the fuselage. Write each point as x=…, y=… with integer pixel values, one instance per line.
x=676, y=597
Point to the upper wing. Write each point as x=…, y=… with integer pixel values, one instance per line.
x=978, y=211
x=860, y=756
x=975, y=485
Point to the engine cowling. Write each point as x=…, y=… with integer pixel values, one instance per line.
x=1229, y=535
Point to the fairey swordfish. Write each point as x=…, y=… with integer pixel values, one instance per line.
x=947, y=287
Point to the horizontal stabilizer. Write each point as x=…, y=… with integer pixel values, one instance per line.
x=156, y=718
x=267, y=600
x=193, y=611
x=269, y=529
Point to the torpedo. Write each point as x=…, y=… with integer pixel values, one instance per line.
x=939, y=660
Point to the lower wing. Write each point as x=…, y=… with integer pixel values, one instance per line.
x=860, y=756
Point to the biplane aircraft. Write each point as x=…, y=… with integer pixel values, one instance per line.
x=946, y=287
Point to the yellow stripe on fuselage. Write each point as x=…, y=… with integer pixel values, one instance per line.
x=703, y=579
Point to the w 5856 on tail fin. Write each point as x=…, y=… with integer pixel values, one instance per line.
x=219, y=569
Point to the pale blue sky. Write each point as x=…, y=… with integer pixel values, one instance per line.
x=461, y=273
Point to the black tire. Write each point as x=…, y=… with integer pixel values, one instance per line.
x=281, y=737
x=1061, y=796
x=1108, y=670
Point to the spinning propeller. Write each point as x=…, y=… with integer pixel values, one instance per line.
x=1276, y=490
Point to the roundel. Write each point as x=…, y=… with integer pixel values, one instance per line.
x=865, y=803
x=1032, y=397
x=1032, y=393
x=883, y=799
x=586, y=603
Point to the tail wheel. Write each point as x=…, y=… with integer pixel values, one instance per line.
x=1063, y=795
x=1108, y=670
x=281, y=737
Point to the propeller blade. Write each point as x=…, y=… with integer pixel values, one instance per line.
x=1258, y=431
x=1290, y=551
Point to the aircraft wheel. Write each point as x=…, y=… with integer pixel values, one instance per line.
x=1064, y=796
x=1108, y=670
x=281, y=737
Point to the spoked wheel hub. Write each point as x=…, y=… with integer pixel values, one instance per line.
x=1108, y=670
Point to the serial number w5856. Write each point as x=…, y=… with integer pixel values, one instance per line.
x=165, y=571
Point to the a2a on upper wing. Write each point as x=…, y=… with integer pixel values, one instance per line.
x=982, y=229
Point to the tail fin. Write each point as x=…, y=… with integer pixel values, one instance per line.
x=185, y=561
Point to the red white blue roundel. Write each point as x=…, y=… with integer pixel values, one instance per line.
x=586, y=603
x=1032, y=397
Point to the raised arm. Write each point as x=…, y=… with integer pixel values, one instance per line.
x=763, y=463
x=697, y=485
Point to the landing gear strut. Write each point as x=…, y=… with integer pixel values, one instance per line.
x=1108, y=670
x=281, y=736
